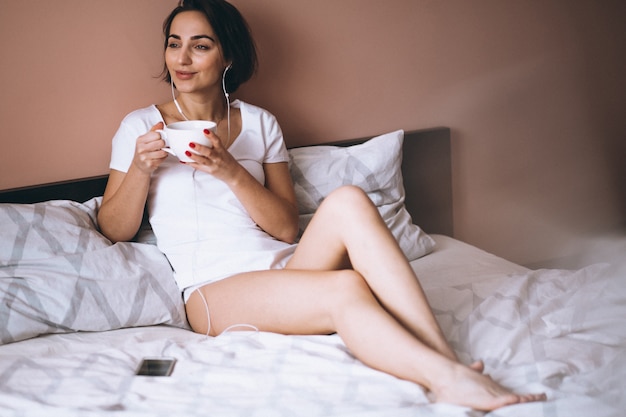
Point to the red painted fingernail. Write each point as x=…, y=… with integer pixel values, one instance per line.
x=192, y=145
x=207, y=131
x=187, y=153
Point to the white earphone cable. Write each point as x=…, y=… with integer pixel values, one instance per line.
x=176, y=102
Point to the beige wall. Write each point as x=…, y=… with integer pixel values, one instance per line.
x=533, y=91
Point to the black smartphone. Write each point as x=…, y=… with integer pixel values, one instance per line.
x=156, y=366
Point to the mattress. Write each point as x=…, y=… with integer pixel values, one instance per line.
x=548, y=330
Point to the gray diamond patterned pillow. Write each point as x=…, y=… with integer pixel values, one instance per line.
x=59, y=274
x=375, y=166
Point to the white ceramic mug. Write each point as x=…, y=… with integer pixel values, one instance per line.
x=177, y=137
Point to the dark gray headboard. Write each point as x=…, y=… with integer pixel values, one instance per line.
x=81, y=189
x=427, y=172
x=426, y=168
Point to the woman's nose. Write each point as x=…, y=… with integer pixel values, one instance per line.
x=184, y=57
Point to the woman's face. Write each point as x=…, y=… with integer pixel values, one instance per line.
x=193, y=55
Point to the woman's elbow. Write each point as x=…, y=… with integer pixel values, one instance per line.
x=290, y=235
x=115, y=234
x=289, y=229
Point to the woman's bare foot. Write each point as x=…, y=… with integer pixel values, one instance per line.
x=468, y=387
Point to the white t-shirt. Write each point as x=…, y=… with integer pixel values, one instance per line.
x=200, y=225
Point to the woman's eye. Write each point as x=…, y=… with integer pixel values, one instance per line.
x=172, y=45
x=202, y=47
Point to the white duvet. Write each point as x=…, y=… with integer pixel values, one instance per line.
x=549, y=330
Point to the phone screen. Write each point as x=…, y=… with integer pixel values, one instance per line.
x=156, y=366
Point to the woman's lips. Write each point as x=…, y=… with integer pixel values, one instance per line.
x=184, y=75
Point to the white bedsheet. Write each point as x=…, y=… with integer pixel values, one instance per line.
x=453, y=262
x=549, y=330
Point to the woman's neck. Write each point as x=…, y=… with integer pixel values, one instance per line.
x=192, y=108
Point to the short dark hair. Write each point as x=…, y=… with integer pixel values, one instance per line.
x=232, y=32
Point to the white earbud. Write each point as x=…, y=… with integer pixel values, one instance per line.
x=224, y=80
x=227, y=97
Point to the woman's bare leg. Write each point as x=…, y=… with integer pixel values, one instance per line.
x=320, y=302
x=347, y=231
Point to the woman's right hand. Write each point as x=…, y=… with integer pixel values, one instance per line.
x=148, y=150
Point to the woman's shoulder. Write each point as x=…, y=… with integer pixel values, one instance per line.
x=252, y=109
x=138, y=122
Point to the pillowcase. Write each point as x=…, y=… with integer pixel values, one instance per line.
x=375, y=166
x=58, y=274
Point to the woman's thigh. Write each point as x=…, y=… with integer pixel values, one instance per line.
x=282, y=301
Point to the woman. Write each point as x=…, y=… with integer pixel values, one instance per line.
x=227, y=222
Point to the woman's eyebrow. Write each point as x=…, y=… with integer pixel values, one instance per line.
x=194, y=38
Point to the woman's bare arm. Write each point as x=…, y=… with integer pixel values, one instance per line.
x=121, y=212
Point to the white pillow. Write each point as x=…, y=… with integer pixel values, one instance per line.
x=58, y=274
x=375, y=166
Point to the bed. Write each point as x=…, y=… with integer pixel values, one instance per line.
x=79, y=314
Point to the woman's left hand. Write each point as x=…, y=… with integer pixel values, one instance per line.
x=214, y=159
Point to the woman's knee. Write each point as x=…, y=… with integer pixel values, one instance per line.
x=350, y=293
x=350, y=286
x=347, y=199
x=349, y=193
